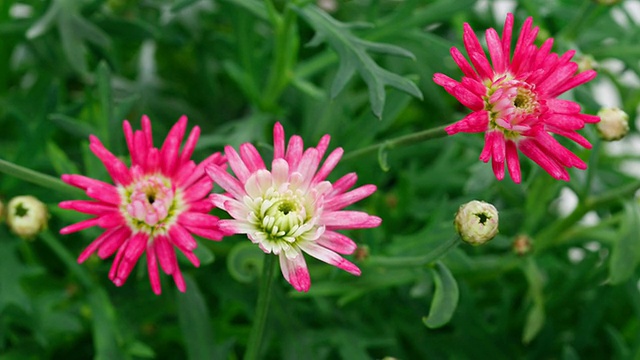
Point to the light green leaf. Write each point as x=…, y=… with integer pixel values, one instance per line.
x=353, y=56
x=445, y=297
x=195, y=324
x=626, y=253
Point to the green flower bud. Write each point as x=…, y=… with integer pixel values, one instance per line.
x=586, y=62
x=26, y=216
x=476, y=222
x=613, y=125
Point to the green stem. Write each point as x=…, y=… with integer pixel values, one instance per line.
x=284, y=55
x=262, y=308
x=551, y=235
x=38, y=178
x=415, y=261
x=429, y=134
x=66, y=257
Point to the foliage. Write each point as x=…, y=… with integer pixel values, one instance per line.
x=73, y=68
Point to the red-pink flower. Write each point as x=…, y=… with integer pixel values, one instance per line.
x=291, y=208
x=514, y=100
x=155, y=205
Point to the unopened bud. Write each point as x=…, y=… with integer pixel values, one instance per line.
x=522, y=245
x=26, y=216
x=586, y=62
x=476, y=222
x=613, y=125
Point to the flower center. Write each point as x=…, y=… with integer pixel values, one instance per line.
x=282, y=216
x=513, y=106
x=150, y=204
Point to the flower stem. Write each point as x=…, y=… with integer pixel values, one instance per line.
x=551, y=235
x=428, y=134
x=38, y=178
x=68, y=260
x=262, y=307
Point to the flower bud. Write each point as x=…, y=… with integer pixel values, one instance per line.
x=26, y=216
x=522, y=245
x=613, y=125
x=476, y=222
x=586, y=62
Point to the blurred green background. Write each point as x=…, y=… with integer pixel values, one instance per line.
x=70, y=68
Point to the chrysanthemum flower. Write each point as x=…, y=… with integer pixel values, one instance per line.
x=155, y=205
x=514, y=100
x=291, y=208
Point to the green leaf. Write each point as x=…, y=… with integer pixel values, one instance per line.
x=354, y=57
x=626, y=253
x=445, y=297
x=195, y=324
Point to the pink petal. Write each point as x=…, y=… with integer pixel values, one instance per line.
x=530, y=149
x=89, y=250
x=337, y=242
x=323, y=144
x=199, y=190
x=135, y=246
x=295, y=271
x=349, y=220
x=463, y=64
x=577, y=80
x=476, y=53
x=181, y=238
x=152, y=269
x=113, y=242
x=495, y=51
x=179, y=280
x=506, y=36
x=294, y=152
x=563, y=106
x=197, y=219
x=329, y=257
x=87, y=207
x=251, y=157
x=513, y=162
x=207, y=233
x=79, y=226
x=343, y=200
x=343, y=184
x=329, y=164
x=237, y=165
x=115, y=167
x=308, y=166
x=105, y=193
x=477, y=121
x=461, y=93
x=226, y=181
x=278, y=141
x=190, y=145
x=166, y=254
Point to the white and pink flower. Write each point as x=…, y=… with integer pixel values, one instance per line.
x=292, y=208
x=153, y=206
x=514, y=100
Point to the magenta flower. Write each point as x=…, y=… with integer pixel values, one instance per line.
x=155, y=205
x=515, y=102
x=291, y=208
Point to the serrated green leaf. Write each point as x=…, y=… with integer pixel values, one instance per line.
x=445, y=297
x=353, y=56
x=45, y=22
x=625, y=253
x=195, y=324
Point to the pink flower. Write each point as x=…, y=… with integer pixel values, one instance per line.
x=291, y=208
x=155, y=205
x=514, y=102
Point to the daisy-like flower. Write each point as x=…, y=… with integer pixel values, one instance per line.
x=153, y=206
x=514, y=100
x=291, y=208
